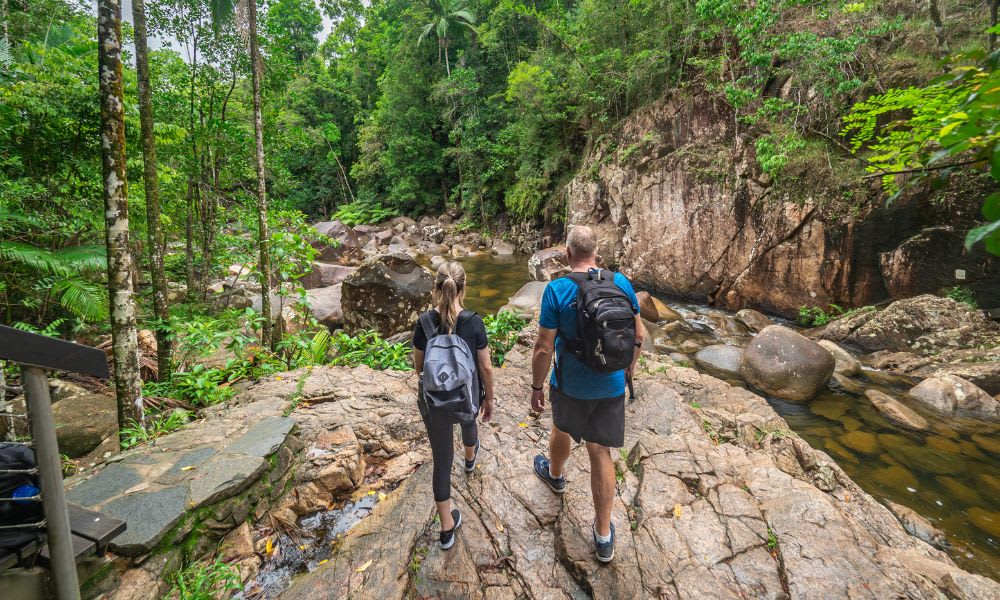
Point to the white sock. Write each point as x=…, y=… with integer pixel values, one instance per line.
x=602, y=539
x=550, y=473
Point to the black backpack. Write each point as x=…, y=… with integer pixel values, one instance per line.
x=17, y=462
x=605, y=322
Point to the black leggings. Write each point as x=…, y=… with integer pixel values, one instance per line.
x=440, y=432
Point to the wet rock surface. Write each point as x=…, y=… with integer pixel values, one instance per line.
x=948, y=393
x=716, y=498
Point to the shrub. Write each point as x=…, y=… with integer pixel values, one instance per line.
x=963, y=295
x=368, y=348
x=205, y=581
x=502, y=329
x=363, y=212
x=134, y=434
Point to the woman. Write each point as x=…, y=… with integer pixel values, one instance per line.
x=449, y=295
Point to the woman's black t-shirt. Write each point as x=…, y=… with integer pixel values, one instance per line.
x=472, y=330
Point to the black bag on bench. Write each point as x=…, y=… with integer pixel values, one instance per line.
x=15, y=458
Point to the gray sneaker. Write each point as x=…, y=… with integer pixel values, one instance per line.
x=606, y=550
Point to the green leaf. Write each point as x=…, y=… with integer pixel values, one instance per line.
x=990, y=233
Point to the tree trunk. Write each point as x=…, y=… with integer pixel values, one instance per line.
x=258, y=135
x=152, y=186
x=942, y=42
x=993, y=23
x=4, y=11
x=121, y=288
x=189, y=239
x=447, y=65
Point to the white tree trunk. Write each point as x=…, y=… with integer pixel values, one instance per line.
x=121, y=288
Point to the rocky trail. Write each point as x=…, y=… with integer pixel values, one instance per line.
x=717, y=499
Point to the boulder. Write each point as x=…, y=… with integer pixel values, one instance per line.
x=347, y=248
x=460, y=250
x=387, y=294
x=949, y=392
x=383, y=236
x=502, y=248
x=548, y=264
x=433, y=233
x=326, y=304
x=720, y=359
x=83, y=418
x=527, y=302
x=403, y=224
x=754, y=320
x=786, y=365
x=325, y=275
x=846, y=364
x=653, y=309
x=436, y=261
x=928, y=262
x=896, y=412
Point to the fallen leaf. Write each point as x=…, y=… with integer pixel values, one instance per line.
x=371, y=492
x=323, y=562
x=367, y=564
x=499, y=527
x=381, y=496
x=522, y=424
x=302, y=547
x=678, y=509
x=278, y=378
x=188, y=468
x=269, y=546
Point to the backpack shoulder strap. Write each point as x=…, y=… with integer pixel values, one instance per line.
x=577, y=277
x=463, y=316
x=427, y=324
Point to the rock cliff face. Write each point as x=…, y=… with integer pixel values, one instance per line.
x=682, y=207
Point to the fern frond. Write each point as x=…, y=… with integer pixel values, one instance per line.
x=87, y=300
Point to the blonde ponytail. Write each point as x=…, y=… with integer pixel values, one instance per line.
x=449, y=285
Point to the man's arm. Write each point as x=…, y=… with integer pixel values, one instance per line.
x=418, y=361
x=541, y=360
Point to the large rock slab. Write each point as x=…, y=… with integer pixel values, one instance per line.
x=786, y=365
x=754, y=517
x=347, y=247
x=527, y=301
x=149, y=516
x=948, y=393
x=326, y=304
x=324, y=275
x=263, y=438
x=720, y=359
x=548, y=264
x=386, y=294
x=896, y=411
x=846, y=364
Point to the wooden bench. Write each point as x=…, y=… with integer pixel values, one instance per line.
x=92, y=532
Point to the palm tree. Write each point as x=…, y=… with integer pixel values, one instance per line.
x=448, y=14
x=222, y=11
x=152, y=186
x=121, y=287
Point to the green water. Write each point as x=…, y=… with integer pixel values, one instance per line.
x=491, y=280
x=950, y=474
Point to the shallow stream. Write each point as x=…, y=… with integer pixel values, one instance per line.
x=950, y=475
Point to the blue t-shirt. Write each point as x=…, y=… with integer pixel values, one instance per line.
x=559, y=312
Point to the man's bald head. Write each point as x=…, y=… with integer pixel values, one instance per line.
x=581, y=244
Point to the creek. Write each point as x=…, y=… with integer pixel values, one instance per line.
x=950, y=474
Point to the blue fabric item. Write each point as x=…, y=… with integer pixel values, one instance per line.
x=559, y=312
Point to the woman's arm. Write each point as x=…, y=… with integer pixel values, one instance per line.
x=418, y=361
x=486, y=373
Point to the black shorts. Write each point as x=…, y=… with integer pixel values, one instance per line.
x=596, y=421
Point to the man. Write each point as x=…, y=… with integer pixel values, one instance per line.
x=586, y=405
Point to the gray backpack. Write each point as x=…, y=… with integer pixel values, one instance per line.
x=451, y=379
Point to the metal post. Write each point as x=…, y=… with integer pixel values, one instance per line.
x=43, y=432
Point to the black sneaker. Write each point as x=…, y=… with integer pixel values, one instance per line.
x=606, y=550
x=448, y=537
x=470, y=465
x=558, y=485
